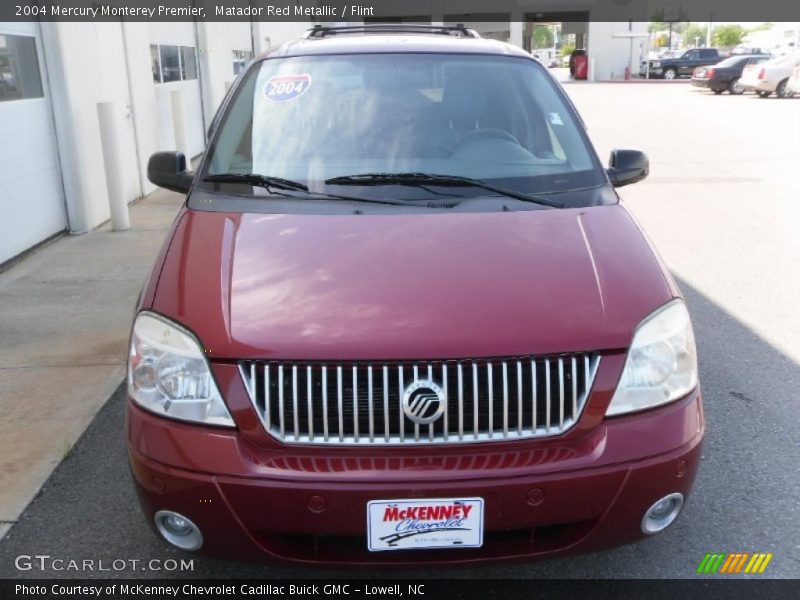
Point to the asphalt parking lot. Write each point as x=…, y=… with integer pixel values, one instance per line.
x=722, y=207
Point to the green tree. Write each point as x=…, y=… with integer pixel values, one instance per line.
x=542, y=36
x=567, y=49
x=760, y=27
x=695, y=35
x=728, y=36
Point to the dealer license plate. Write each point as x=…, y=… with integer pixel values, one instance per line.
x=424, y=523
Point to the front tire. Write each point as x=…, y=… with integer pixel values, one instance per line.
x=670, y=73
x=783, y=91
x=735, y=88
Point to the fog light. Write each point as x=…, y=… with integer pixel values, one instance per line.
x=178, y=530
x=661, y=515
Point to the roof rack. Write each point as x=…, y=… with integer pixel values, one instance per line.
x=460, y=30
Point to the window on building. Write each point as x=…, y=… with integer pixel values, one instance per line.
x=19, y=68
x=240, y=60
x=173, y=63
x=188, y=63
x=155, y=62
x=170, y=64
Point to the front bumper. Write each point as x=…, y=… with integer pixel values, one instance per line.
x=579, y=492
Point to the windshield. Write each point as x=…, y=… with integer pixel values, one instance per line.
x=314, y=118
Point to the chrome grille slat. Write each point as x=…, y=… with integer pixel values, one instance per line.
x=267, y=416
x=280, y=401
x=460, y=402
x=490, y=386
x=430, y=426
x=369, y=404
x=475, y=399
x=294, y=403
x=324, y=401
x=340, y=402
x=401, y=389
x=519, y=397
x=511, y=398
x=445, y=424
x=386, y=403
x=309, y=400
x=505, y=399
x=355, y=402
x=416, y=425
x=560, y=393
x=547, y=387
x=535, y=392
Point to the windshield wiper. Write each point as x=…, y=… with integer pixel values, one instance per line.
x=279, y=183
x=422, y=179
x=265, y=181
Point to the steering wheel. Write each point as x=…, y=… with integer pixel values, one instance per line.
x=487, y=133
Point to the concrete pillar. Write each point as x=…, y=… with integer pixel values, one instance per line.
x=517, y=28
x=114, y=168
x=179, y=122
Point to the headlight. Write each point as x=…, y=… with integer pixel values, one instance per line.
x=168, y=373
x=661, y=364
x=655, y=64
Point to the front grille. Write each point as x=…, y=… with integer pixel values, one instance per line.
x=362, y=403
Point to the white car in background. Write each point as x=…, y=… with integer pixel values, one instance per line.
x=771, y=76
x=794, y=80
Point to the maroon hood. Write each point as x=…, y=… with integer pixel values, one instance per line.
x=410, y=286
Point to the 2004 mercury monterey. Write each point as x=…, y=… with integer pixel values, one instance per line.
x=403, y=317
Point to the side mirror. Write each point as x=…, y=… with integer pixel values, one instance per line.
x=627, y=166
x=168, y=170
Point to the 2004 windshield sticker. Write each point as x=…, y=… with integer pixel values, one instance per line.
x=285, y=88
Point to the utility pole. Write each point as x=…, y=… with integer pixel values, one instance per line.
x=709, y=30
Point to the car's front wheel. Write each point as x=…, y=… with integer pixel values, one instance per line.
x=783, y=91
x=670, y=73
x=735, y=88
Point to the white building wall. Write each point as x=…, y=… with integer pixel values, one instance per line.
x=611, y=55
x=143, y=98
x=217, y=44
x=76, y=76
x=180, y=34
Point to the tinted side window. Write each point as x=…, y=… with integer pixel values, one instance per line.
x=707, y=54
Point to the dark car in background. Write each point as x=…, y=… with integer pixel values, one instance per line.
x=725, y=75
x=684, y=64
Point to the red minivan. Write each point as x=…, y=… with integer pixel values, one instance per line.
x=403, y=317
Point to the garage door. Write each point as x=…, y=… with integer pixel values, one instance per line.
x=31, y=197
